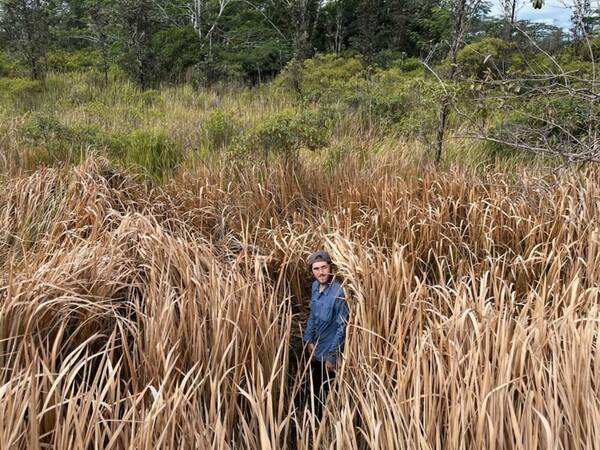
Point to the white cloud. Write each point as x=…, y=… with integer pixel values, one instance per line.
x=554, y=12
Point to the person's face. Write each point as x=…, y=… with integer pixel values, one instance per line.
x=321, y=271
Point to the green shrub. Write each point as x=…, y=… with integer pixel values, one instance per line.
x=422, y=100
x=207, y=73
x=335, y=155
x=553, y=122
x=288, y=131
x=219, y=130
x=177, y=50
x=150, y=98
x=393, y=99
x=324, y=77
x=409, y=65
x=49, y=142
x=572, y=63
x=10, y=67
x=389, y=59
x=80, y=93
x=72, y=61
x=488, y=55
x=52, y=142
x=45, y=128
x=20, y=92
x=383, y=98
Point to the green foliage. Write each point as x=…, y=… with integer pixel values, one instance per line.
x=382, y=99
x=52, y=142
x=391, y=98
x=149, y=97
x=324, y=77
x=422, y=100
x=20, y=93
x=46, y=131
x=45, y=128
x=19, y=88
x=557, y=115
x=487, y=56
x=10, y=66
x=435, y=26
x=208, y=73
x=152, y=151
x=25, y=26
x=408, y=65
x=288, y=131
x=388, y=59
x=176, y=50
x=80, y=93
x=219, y=129
x=253, y=43
x=575, y=64
x=335, y=155
x=258, y=63
x=553, y=122
x=595, y=47
x=392, y=95
x=72, y=61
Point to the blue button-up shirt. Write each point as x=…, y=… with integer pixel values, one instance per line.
x=326, y=326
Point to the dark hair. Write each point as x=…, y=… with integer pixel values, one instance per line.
x=319, y=255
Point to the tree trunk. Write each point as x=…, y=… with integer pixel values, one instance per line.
x=459, y=29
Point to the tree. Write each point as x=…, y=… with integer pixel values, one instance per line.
x=509, y=8
x=99, y=24
x=463, y=12
x=205, y=18
x=26, y=24
x=305, y=17
x=368, y=26
x=138, y=20
x=337, y=19
x=583, y=25
x=549, y=109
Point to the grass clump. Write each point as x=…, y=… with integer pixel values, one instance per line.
x=20, y=93
x=220, y=129
x=153, y=152
x=51, y=142
x=473, y=300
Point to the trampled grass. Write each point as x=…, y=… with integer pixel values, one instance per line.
x=141, y=317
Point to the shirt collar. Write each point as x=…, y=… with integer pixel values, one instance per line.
x=327, y=285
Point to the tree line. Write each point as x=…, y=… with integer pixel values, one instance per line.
x=251, y=40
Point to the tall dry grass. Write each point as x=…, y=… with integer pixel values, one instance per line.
x=139, y=317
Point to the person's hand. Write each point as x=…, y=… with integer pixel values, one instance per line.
x=311, y=348
x=330, y=366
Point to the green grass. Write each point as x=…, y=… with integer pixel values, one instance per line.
x=158, y=131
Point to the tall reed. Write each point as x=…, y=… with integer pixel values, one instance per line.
x=134, y=316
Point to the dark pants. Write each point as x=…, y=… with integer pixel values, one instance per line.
x=321, y=383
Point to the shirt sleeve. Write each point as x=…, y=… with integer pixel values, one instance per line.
x=309, y=333
x=341, y=319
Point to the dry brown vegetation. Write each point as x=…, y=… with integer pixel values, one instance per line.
x=129, y=317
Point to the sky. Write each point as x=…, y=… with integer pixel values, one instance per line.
x=554, y=12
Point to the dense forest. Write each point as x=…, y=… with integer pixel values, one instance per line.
x=251, y=41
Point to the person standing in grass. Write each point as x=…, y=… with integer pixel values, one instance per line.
x=326, y=327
